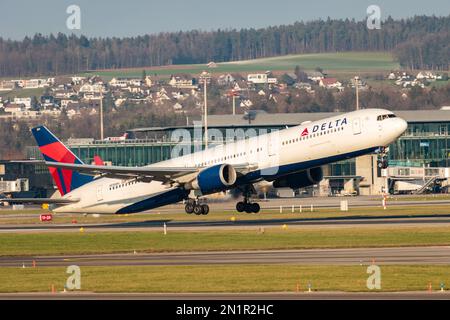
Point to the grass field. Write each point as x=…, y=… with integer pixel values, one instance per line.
x=90, y=241
x=332, y=63
x=225, y=278
x=13, y=217
x=22, y=93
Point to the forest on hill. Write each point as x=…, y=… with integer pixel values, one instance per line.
x=421, y=42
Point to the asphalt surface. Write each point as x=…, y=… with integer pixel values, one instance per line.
x=422, y=295
x=355, y=256
x=398, y=220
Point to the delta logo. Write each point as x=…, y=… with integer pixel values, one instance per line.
x=325, y=126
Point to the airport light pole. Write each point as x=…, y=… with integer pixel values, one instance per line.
x=205, y=77
x=101, y=117
x=233, y=94
x=357, y=92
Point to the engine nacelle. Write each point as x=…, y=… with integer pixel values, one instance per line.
x=301, y=179
x=215, y=179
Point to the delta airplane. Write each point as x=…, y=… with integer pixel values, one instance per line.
x=290, y=158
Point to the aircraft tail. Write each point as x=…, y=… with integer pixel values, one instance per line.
x=53, y=150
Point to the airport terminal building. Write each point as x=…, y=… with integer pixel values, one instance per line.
x=419, y=161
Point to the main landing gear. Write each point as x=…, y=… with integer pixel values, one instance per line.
x=194, y=206
x=246, y=205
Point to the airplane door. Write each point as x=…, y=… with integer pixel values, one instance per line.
x=356, y=126
x=271, y=146
x=99, y=193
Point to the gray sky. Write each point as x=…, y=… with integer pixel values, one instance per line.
x=102, y=18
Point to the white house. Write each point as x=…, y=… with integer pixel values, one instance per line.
x=25, y=101
x=35, y=83
x=315, y=76
x=179, y=82
x=92, y=88
x=246, y=103
x=261, y=78
x=125, y=82
x=225, y=79
x=330, y=83
x=14, y=108
x=426, y=75
x=148, y=81
x=7, y=85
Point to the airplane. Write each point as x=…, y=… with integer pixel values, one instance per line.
x=290, y=158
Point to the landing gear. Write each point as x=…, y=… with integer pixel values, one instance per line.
x=382, y=162
x=193, y=206
x=189, y=208
x=246, y=205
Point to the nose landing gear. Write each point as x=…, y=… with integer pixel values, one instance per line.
x=382, y=161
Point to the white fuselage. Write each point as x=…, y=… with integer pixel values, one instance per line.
x=278, y=153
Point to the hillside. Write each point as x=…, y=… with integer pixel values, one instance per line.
x=335, y=63
x=61, y=54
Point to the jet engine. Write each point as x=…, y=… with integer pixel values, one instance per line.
x=301, y=179
x=215, y=179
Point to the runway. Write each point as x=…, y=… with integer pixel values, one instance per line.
x=270, y=296
x=240, y=223
x=356, y=256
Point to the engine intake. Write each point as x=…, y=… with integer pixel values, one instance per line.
x=301, y=179
x=215, y=179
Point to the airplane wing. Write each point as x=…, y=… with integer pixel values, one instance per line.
x=39, y=200
x=163, y=174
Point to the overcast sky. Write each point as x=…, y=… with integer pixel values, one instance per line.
x=136, y=17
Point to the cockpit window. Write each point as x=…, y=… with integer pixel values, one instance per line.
x=386, y=116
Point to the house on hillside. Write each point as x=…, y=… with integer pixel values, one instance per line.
x=7, y=85
x=212, y=64
x=125, y=82
x=148, y=81
x=331, y=83
x=261, y=78
x=426, y=75
x=315, y=76
x=225, y=79
x=181, y=82
x=24, y=101
x=35, y=83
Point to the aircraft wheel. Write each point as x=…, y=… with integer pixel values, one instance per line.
x=189, y=208
x=248, y=208
x=198, y=210
x=255, y=207
x=205, y=209
x=240, y=206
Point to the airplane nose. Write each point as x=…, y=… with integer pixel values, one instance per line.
x=401, y=125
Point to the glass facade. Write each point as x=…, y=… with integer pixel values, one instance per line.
x=423, y=144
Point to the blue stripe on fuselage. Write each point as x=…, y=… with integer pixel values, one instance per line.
x=159, y=200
